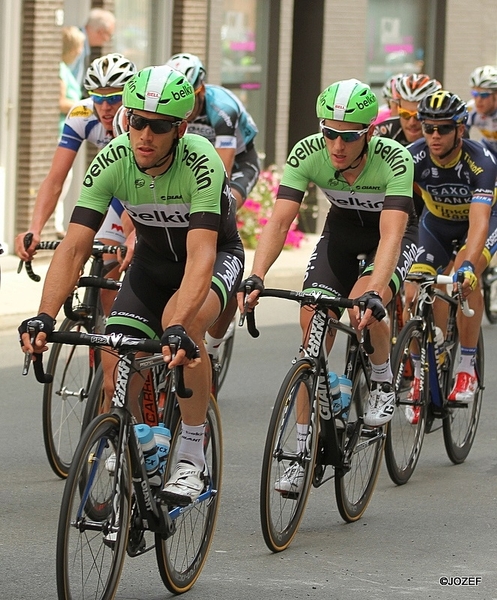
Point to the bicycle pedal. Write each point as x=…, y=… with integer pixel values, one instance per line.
x=136, y=544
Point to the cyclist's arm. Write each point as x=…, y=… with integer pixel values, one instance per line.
x=392, y=227
x=228, y=157
x=62, y=275
x=271, y=242
x=46, y=200
x=130, y=235
x=479, y=215
x=201, y=250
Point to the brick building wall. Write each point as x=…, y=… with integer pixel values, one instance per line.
x=470, y=42
x=38, y=101
x=190, y=27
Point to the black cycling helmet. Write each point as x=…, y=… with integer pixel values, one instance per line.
x=443, y=105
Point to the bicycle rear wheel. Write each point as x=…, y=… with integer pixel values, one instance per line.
x=461, y=423
x=489, y=279
x=182, y=556
x=64, y=399
x=284, y=466
x=406, y=430
x=364, y=446
x=94, y=517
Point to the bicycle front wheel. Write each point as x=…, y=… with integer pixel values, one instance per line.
x=363, y=447
x=406, y=430
x=288, y=463
x=182, y=556
x=225, y=352
x=64, y=399
x=94, y=517
x=461, y=423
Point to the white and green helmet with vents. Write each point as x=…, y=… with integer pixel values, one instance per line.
x=349, y=100
x=160, y=90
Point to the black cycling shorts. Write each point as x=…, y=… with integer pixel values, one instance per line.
x=147, y=288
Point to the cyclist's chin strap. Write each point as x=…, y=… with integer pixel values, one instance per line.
x=357, y=160
x=162, y=161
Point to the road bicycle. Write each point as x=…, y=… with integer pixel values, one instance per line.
x=108, y=513
x=429, y=409
x=72, y=368
x=350, y=449
x=489, y=287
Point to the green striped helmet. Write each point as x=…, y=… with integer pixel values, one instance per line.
x=348, y=100
x=160, y=90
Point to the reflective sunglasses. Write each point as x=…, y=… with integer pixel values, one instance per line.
x=429, y=129
x=407, y=114
x=476, y=94
x=346, y=136
x=156, y=125
x=113, y=98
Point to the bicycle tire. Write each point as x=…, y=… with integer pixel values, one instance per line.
x=88, y=563
x=64, y=399
x=224, y=358
x=95, y=397
x=354, y=488
x=282, y=512
x=404, y=438
x=461, y=423
x=182, y=556
x=489, y=281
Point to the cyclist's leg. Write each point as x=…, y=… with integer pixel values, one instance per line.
x=466, y=383
x=382, y=397
x=186, y=482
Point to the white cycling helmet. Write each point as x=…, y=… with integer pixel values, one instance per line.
x=120, y=121
x=111, y=70
x=190, y=65
x=484, y=77
x=415, y=87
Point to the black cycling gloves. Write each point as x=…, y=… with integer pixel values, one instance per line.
x=372, y=300
x=176, y=336
x=42, y=322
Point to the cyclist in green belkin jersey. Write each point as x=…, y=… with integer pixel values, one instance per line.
x=368, y=183
x=188, y=260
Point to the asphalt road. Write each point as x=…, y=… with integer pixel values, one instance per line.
x=441, y=524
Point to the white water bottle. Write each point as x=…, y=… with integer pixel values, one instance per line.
x=146, y=438
x=162, y=437
x=439, y=340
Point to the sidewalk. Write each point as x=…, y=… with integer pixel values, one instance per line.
x=20, y=296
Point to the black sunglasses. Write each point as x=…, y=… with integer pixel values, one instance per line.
x=442, y=129
x=156, y=125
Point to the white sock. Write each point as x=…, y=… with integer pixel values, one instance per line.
x=382, y=373
x=191, y=446
x=302, y=430
x=212, y=345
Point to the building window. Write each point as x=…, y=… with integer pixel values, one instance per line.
x=397, y=39
x=244, y=37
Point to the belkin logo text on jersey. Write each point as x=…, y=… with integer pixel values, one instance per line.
x=305, y=148
x=393, y=156
x=172, y=215
x=200, y=166
x=104, y=158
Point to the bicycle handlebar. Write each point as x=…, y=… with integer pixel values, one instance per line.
x=97, y=250
x=304, y=298
x=117, y=341
x=427, y=279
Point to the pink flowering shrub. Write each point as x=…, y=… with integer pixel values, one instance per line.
x=255, y=213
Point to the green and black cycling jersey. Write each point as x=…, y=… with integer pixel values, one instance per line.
x=193, y=193
x=384, y=183
x=352, y=226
